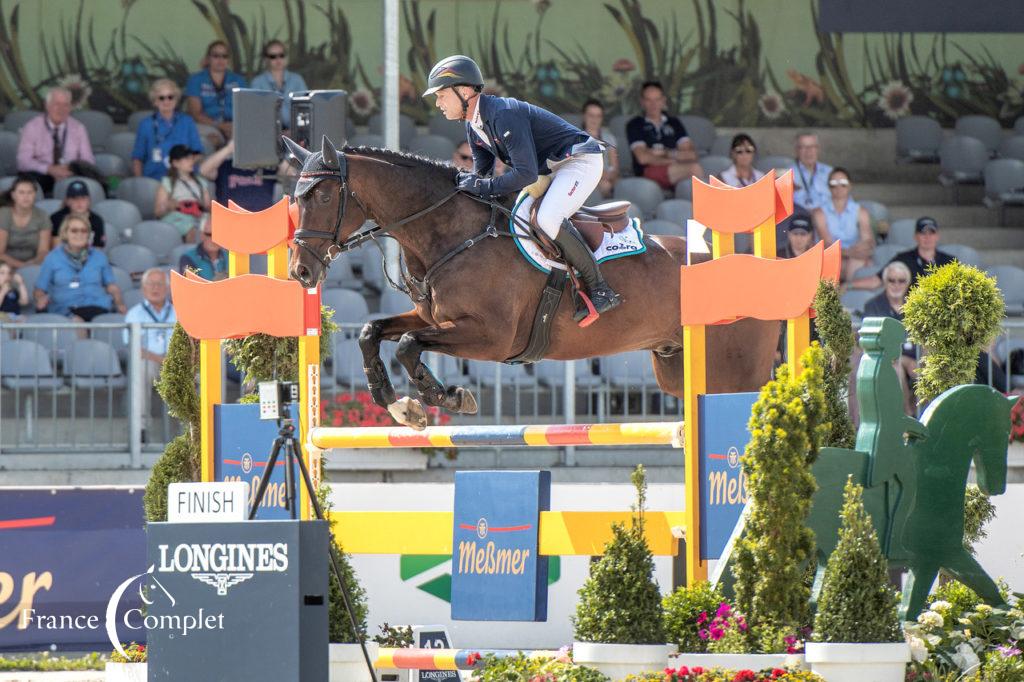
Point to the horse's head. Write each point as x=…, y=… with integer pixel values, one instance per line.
x=322, y=193
x=990, y=460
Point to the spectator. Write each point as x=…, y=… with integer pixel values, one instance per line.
x=810, y=178
x=799, y=237
x=78, y=202
x=206, y=258
x=278, y=78
x=154, y=309
x=462, y=157
x=662, y=151
x=182, y=198
x=918, y=260
x=166, y=128
x=53, y=145
x=24, y=229
x=13, y=293
x=742, y=172
x=252, y=189
x=841, y=219
x=889, y=303
x=593, y=125
x=209, y=90
x=76, y=279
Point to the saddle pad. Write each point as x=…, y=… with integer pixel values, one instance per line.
x=628, y=242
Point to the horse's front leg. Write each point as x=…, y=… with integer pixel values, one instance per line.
x=390, y=328
x=454, y=398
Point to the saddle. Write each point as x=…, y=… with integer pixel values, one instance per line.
x=591, y=221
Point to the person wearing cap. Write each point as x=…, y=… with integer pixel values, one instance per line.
x=843, y=220
x=799, y=237
x=182, y=197
x=532, y=142
x=78, y=202
x=917, y=260
x=166, y=128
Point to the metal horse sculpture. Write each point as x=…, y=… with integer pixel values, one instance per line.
x=914, y=473
x=479, y=302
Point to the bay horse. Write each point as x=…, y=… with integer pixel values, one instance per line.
x=480, y=303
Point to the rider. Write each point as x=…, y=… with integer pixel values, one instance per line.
x=530, y=141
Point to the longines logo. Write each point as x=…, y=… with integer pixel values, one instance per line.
x=222, y=581
x=223, y=565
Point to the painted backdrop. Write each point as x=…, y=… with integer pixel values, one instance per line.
x=757, y=62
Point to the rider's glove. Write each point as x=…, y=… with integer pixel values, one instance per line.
x=474, y=184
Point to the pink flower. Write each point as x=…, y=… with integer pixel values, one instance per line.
x=702, y=633
x=717, y=633
x=702, y=618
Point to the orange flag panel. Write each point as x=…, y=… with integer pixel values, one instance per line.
x=733, y=210
x=249, y=232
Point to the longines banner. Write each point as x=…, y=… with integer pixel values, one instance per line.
x=64, y=553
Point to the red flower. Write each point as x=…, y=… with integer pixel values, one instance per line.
x=777, y=673
x=473, y=658
x=744, y=676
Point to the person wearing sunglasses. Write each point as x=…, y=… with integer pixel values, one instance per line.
x=278, y=78
x=742, y=172
x=209, y=91
x=206, y=258
x=76, y=279
x=925, y=255
x=889, y=303
x=166, y=128
x=843, y=220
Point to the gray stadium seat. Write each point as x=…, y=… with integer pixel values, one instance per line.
x=50, y=206
x=918, y=139
x=902, y=232
x=781, y=164
x=140, y=191
x=57, y=337
x=645, y=194
x=394, y=302
x=15, y=119
x=25, y=365
x=453, y=130
x=684, y=189
x=552, y=373
x=722, y=146
x=879, y=216
x=8, y=152
x=137, y=117
x=677, y=211
x=483, y=372
x=340, y=274
x=962, y=160
x=433, y=147
x=981, y=127
x=29, y=273
x=1012, y=148
x=135, y=259
x=98, y=124
x=714, y=165
x=1004, y=347
x=93, y=364
x=111, y=165
x=854, y=300
x=701, y=132
x=177, y=252
x=349, y=306
x=1004, y=185
x=159, y=237
x=1010, y=280
x=658, y=226
x=122, y=279
x=119, y=218
x=406, y=128
x=115, y=337
x=367, y=140
x=373, y=269
x=96, y=192
x=121, y=144
x=132, y=297
x=964, y=254
x=885, y=252
x=347, y=362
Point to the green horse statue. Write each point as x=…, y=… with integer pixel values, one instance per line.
x=914, y=472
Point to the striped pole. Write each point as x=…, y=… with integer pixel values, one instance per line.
x=545, y=435
x=448, y=659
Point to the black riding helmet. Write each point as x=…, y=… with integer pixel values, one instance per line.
x=455, y=70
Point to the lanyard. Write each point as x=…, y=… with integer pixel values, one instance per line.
x=156, y=128
x=803, y=178
x=149, y=311
x=190, y=188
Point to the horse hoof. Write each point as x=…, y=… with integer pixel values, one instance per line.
x=468, y=404
x=408, y=412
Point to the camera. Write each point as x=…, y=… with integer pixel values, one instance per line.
x=275, y=397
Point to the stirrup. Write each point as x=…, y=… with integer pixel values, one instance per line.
x=586, y=314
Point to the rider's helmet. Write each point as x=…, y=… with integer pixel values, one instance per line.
x=455, y=70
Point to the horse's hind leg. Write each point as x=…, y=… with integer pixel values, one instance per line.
x=967, y=570
x=372, y=333
x=454, y=398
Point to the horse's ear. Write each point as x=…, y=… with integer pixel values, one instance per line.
x=330, y=154
x=296, y=154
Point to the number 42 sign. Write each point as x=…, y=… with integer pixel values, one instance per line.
x=433, y=637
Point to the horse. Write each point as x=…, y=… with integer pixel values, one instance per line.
x=480, y=302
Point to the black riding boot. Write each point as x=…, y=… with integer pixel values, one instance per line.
x=579, y=256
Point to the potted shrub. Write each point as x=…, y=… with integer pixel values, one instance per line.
x=394, y=637
x=619, y=627
x=857, y=633
x=128, y=668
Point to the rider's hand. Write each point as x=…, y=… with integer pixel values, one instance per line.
x=474, y=184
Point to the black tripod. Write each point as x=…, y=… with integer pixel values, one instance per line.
x=292, y=453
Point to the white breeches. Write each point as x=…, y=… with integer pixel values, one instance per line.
x=572, y=182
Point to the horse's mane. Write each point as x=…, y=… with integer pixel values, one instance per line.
x=443, y=168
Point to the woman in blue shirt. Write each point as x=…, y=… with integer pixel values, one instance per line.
x=166, y=128
x=843, y=220
x=278, y=78
x=209, y=90
x=76, y=279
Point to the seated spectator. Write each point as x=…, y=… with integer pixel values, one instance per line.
x=926, y=255
x=13, y=293
x=799, y=237
x=593, y=125
x=810, y=178
x=78, y=202
x=209, y=91
x=166, y=128
x=742, y=172
x=278, y=78
x=662, y=151
x=843, y=220
x=252, y=189
x=154, y=309
x=76, y=279
x=206, y=259
x=54, y=146
x=462, y=157
x=24, y=229
x=889, y=303
x=182, y=198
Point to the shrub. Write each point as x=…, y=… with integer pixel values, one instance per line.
x=837, y=342
x=397, y=636
x=856, y=604
x=787, y=427
x=619, y=602
x=136, y=654
x=955, y=599
x=44, y=662
x=522, y=667
x=683, y=607
x=978, y=511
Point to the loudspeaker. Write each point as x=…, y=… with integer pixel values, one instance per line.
x=257, y=128
x=317, y=113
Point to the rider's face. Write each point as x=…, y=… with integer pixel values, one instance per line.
x=448, y=102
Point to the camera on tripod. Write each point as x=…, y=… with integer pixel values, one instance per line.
x=314, y=113
x=275, y=397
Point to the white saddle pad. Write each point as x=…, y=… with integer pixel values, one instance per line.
x=628, y=242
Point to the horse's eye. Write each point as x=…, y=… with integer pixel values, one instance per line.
x=324, y=197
